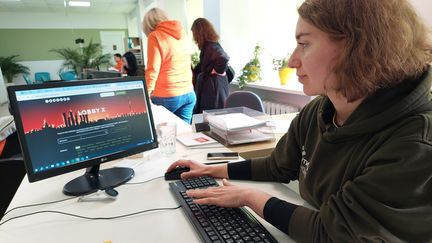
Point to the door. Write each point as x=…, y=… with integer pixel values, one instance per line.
x=112, y=42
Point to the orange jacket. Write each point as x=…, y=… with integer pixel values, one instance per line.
x=2, y=145
x=168, y=72
x=119, y=65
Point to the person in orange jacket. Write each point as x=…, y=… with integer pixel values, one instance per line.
x=168, y=72
x=119, y=63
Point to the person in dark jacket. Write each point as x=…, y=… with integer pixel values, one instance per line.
x=362, y=150
x=211, y=82
x=130, y=64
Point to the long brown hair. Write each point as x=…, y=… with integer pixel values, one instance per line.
x=203, y=31
x=385, y=41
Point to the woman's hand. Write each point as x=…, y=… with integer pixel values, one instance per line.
x=230, y=195
x=213, y=71
x=199, y=169
x=227, y=195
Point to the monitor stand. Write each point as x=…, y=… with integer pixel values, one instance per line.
x=95, y=179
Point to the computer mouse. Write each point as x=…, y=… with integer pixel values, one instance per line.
x=175, y=173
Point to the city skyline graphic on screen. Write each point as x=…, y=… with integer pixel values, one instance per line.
x=76, y=110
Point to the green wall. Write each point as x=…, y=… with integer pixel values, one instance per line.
x=34, y=44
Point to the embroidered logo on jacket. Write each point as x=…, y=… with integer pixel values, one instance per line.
x=304, y=166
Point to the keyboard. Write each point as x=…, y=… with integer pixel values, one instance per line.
x=217, y=224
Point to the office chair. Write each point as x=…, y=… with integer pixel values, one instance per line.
x=27, y=79
x=244, y=98
x=41, y=77
x=68, y=75
x=12, y=171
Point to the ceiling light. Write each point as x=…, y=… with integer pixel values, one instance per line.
x=79, y=4
x=10, y=0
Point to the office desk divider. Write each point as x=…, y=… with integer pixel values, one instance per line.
x=239, y=125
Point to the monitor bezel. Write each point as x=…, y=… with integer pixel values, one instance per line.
x=14, y=108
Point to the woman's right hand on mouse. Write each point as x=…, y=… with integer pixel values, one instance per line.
x=198, y=169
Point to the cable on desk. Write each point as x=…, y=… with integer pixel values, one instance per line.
x=91, y=218
x=38, y=204
x=61, y=200
x=142, y=182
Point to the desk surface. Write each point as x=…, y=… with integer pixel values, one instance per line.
x=157, y=226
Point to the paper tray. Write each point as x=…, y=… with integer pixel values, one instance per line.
x=239, y=125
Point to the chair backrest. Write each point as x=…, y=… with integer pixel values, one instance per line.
x=12, y=172
x=41, y=77
x=68, y=75
x=27, y=79
x=244, y=98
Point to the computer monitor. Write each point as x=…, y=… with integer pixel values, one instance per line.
x=95, y=74
x=66, y=126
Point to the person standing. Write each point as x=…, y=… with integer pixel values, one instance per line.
x=361, y=150
x=168, y=73
x=211, y=86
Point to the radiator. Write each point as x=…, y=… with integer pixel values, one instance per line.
x=274, y=108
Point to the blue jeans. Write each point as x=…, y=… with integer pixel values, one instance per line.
x=182, y=106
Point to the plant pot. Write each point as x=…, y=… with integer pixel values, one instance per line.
x=285, y=74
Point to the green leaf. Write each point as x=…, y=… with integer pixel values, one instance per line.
x=11, y=68
x=78, y=59
x=251, y=72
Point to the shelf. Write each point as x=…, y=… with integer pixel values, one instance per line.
x=293, y=87
x=136, y=49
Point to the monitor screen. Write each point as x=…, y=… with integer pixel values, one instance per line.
x=66, y=126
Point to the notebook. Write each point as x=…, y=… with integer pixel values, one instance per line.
x=195, y=139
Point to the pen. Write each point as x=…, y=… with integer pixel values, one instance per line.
x=217, y=162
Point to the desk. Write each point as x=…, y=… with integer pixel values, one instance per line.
x=159, y=226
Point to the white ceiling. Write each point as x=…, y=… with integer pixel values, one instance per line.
x=58, y=6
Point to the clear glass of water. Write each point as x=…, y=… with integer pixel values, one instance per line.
x=166, y=133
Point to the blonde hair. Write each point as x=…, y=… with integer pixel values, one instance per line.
x=152, y=18
x=385, y=42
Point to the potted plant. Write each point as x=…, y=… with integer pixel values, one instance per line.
x=285, y=72
x=251, y=72
x=195, y=59
x=11, y=68
x=83, y=58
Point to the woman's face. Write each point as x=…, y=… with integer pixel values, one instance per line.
x=124, y=62
x=314, y=58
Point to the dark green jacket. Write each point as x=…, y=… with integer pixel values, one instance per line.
x=371, y=179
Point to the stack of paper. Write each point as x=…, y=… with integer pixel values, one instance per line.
x=196, y=139
x=7, y=126
x=234, y=122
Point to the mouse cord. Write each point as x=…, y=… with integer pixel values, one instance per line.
x=142, y=182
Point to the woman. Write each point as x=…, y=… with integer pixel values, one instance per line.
x=130, y=65
x=211, y=86
x=168, y=74
x=362, y=150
